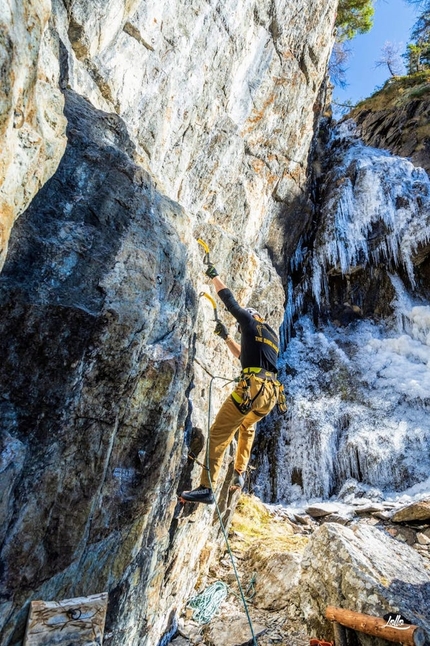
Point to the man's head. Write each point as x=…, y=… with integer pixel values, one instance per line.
x=254, y=313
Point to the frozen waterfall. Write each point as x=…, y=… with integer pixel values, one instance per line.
x=359, y=393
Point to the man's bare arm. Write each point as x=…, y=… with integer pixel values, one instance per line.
x=218, y=284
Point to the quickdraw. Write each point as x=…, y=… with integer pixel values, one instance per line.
x=206, y=261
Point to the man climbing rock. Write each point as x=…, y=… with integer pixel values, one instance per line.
x=252, y=399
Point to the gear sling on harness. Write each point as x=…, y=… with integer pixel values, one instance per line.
x=244, y=402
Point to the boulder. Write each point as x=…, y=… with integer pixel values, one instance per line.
x=276, y=574
x=361, y=569
x=232, y=631
x=180, y=641
x=423, y=539
x=414, y=511
x=338, y=517
x=322, y=509
x=369, y=508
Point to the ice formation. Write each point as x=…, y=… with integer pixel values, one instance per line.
x=359, y=395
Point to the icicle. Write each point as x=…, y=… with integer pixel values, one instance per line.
x=372, y=190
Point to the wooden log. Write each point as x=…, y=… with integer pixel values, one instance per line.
x=393, y=631
x=78, y=621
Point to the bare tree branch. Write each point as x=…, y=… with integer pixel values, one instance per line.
x=390, y=56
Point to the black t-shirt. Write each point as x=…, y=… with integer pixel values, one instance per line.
x=259, y=343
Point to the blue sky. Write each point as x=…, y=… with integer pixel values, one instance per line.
x=392, y=22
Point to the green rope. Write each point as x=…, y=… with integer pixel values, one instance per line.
x=208, y=602
x=250, y=591
x=254, y=640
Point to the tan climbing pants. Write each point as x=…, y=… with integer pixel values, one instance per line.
x=229, y=419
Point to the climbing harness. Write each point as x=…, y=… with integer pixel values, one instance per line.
x=208, y=602
x=245, y=401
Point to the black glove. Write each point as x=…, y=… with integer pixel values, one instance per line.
x=211, y=271
x=221, y=330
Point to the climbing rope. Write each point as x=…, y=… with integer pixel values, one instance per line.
x=250, y=591
x=208, y=602
x=242, y=595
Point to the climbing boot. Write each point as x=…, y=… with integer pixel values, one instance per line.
x=201, y=494
x=238, y=480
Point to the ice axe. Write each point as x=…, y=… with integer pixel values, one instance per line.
x=206, y=260
x=209, y=297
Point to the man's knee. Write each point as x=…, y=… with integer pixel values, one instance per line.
x=248, y=431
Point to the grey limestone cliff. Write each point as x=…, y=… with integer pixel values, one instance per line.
x=184, y=120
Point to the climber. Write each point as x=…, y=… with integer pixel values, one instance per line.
x=253, y=398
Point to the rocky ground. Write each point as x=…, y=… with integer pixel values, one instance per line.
x=268, y=543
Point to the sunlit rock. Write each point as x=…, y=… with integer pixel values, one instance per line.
x=221, y=105
x=322, y=509
x=415, y=511
x=231, y=631
x=397, y=118
x=32, y=124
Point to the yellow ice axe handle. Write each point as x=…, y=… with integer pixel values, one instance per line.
x=212, y=302
x=206, y=248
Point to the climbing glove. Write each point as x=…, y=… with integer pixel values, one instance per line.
x=211, y=271
x=221, y=330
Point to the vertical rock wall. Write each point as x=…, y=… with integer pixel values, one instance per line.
x=32, y=125
x=184, y=120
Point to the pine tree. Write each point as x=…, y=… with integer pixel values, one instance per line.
x=418, y=51
x=353, y=17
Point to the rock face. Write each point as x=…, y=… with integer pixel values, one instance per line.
x=183, y=121
x=223, y=102
x=397, y=118
x=94, y=320
x=31, y=109
x=297, y=569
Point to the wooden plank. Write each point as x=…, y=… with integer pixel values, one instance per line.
x=80, y=621
x=397, y=632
